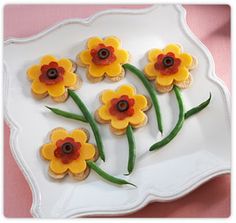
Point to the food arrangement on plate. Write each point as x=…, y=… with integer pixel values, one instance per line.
x=107, y=107
x=123, y=109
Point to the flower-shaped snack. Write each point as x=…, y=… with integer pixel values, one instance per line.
x=124, y=109
x=68, y=153
x=121, y=108
x=169, y=67
x=103, y=58
x=53, y=77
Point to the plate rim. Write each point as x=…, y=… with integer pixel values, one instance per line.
x=149, y=197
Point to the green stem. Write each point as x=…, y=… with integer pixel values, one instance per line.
x=178, y=125
x=150, y=90
x=91, y=121
x=107, y=176
x=132, y=149
x=198, y=108
x=67, y=114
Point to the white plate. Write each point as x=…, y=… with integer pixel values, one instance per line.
x=200, y=151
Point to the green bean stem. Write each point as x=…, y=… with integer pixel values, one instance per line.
x=132, y=149
x=107, y=176
x=197, y=108
x=150, y=90
x=178, y=125
x=91, y=121
x=67, y=114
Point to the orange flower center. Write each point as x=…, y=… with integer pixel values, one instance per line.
x=168, y=61
x=122, y=107
x=51, y=73
x=67, y=150
x=103, y=55
x=167, y=64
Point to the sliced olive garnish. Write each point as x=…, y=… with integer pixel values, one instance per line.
x=52, y=73
x=103, y=53
x=67, y=148
x=168, y=61
x=122, y=106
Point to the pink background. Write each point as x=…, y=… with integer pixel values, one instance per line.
x=212, y=26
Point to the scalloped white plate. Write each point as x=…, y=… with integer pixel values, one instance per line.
x=200, y=152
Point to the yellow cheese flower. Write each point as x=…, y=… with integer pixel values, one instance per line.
x=53, y=77
x=169, y=67
x=121, y=108
x=104, y=58
x=68, y=152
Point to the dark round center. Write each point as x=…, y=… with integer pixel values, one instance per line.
x=67, y=148
x=168, y=61
x=122, y=106
x=52, y=73
x=103, y=53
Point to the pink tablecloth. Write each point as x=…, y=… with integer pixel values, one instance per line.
x=210, y=23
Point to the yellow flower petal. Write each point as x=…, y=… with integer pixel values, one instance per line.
x=85, y=57
x=34, y=72
x=70, y=79
x=152, y=54
x=79, y=136
x=119, y=124
x=93, y=42
x=164, y=80
x=122, y=56
x=126, y=90
x=150, y=70
x=47, y=59
x=107, y=95
x=65, y=63
x=97, y=71
x=57, y=166
x=140, y=101
x=112, y=41
x=113, y=70
x=38, y=87
x=77, y=166
x=172, y=48
x=137, y=118
x=87, y=151
x=56, y=90
x=47, y=151
x=186, y=59
x=181, y=75
x=58, y=134
x=104, y=113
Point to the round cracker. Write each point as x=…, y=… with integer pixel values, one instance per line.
x=93, y=79
x=80, y=176
x=194, y=63
x=96, y=156
x=185, y=84
x=86, y=132
x=39, y=96
x=141, y=124
x=118, y=77
x=163, y=89
x=99, y=119
x=61, y=98
x=79, y=62
x=77, y=85
x=55, y=175
x=74, y=66
x=117, y=131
